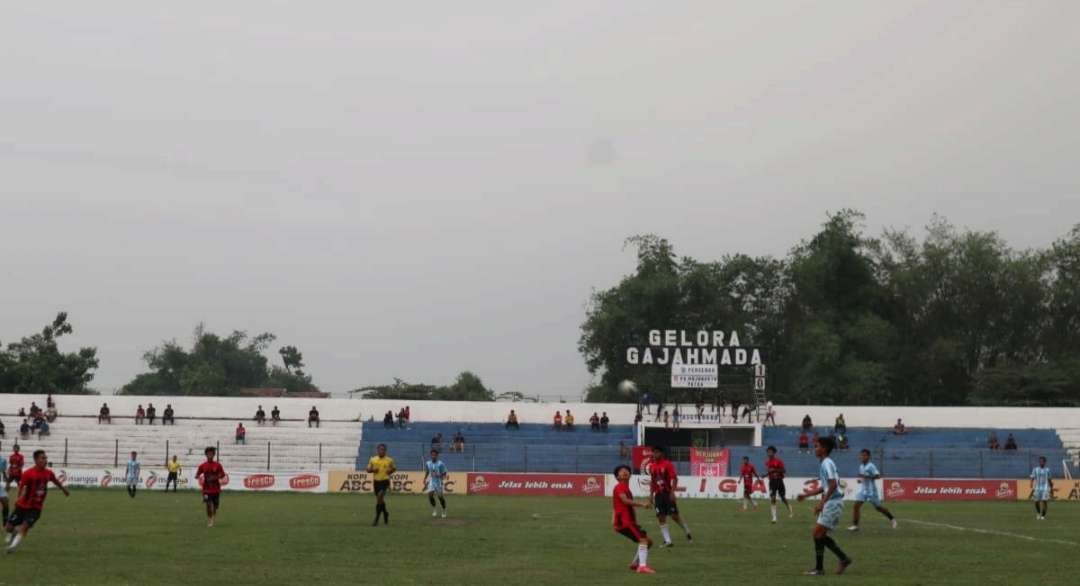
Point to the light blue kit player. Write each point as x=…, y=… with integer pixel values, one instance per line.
x=829, y=509
x=434, y=482
x=1041, y=488
x=868, y=492
x=131, y=475
x=3, y=493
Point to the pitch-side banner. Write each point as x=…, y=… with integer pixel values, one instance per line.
x=495, y=483
x=723, y=487
x=154, y=479
x=937, y=489
x=400, y=482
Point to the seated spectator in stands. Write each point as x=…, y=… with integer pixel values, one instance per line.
x=1010, y=443
x=140, y=415
x=151, y=413
x=594, y=422
x=569, y=421
x=103, y=414
x=459, y=442
x=275, y=415
x=558, y=421
x=512, y=421
x=169, y=416
x=24, y=429
x=34, y=409
x=22, y=412
x=992, y=442
x=260, y=416
x=388, y=420
x=50, y=414
x=770, y=413
x=666, y=419
x=37, y=422
x=408, y=414
x=840, y=427
x=806, y=423
x=604, y=421
x=436, y=441
x=313, y=417
x=899, y=428
x=49, y=402
x=241, y=433
x=43, y=430
x=401, y=418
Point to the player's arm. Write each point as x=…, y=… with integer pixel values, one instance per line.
x=631, y=502
x=59, y=484
x=393, y=467
x=806, y=495
x=830, y=491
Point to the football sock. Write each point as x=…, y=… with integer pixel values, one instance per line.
x=1038, y=509
x=16, y=541
x=819, y=554
x=431, y=499
x=643, y=554
x=888, y=514
x=772, y=509
x=667, y=534
x=442, y=501
x=685, y=527
x=829, y=543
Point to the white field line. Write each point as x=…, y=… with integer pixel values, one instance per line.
x=989, y=532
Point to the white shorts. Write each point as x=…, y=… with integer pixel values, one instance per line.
x=830, y=514
x=436, y=487
x=1040, y=495
x=868, y=498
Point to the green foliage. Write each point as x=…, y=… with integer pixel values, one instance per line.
x=35, y=364
x=219, y=366
x=466, y=387
x=957, y=318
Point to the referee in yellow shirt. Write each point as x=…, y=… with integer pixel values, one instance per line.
x=381, y=466
x=174, y=474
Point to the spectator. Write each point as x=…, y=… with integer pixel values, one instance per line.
x=637, y=417
x=840, y=428
x=734, y=410
x=992, y=442
x=747, y=410
x=241, y=433
x=50, y=414
x=770, y=413
x=659, y=410
x=140, y=415
x=38, y=420
x=169, y=416
x=841, y=441
x=408, y=414
x=49, y=401
x=275, y=415
x=103, y=414
x=151, y=412
x=569, y=421
x=22, y=412
x=24, y=429
x=645, y=399
x=1010, y=443
x=388, y=420
x=721, y=404
x=260, y=416
x=604, y=421
x=512, y=420
x=624, y=450
x=899, y=428
x=594, y=422
x=459, y=442
x=807, y=424
x=34, y=409
x=401, y=418
x=666, y=419
x=2, y=434
x=675, y=416
x=436, y=441
x=313, y=417
x=700, y=406
x=558, y=421
x=43, y=429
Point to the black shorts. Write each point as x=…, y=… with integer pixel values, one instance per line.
x=212, y=499
x=776, y=487
x=381, y=486
x=172, y=477
x=634, y=533
x=665, y=504
x=27, y=516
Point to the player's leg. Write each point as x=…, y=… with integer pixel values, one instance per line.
x=888, y=514
x=431, y=500
x=678, y=519
x=442, y=501
x=20, y=535
x=1038, y=509
x=855, y=514
x=783, y=498
x=661, y=517
x=4, y=504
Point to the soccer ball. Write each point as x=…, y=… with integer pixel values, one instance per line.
x=628, y=388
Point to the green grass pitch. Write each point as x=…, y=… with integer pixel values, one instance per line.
x=104, y=537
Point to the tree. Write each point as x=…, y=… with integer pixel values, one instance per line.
x=466, y=387
x=35, y=364
x=217, y=365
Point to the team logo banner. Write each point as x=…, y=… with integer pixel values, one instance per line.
x=927, y=489
x=709, y=461
x=536, y=484
x=724, y=487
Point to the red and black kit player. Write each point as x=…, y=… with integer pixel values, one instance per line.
x=663, y=482
x=774, y=468
x=624, y=521
x=748, y=473
x=15, y=468
x=211, y=473
x=33, y=488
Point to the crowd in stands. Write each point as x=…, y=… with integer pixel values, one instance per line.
x=719, y=408
x=36, y=420
x=598, y=423
x=403, y=416
x=457, y=444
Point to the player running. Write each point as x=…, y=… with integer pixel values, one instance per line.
x=829, y=509
x=211, y=473
x=663, y=482
x=776, y=471
x=381, y=466
x=1042, y=487
x=434, y=481
x=33, y=488
x=868, y=492
x=15, y=468
x=132, y=474
x=624, y=521
x=748, y=473
x=4, y=493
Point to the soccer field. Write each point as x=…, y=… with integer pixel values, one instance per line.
x=104, y=537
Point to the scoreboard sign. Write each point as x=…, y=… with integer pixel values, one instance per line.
x=694, y=376
x=695, y=357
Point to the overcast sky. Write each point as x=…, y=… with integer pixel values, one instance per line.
x=414, y=189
